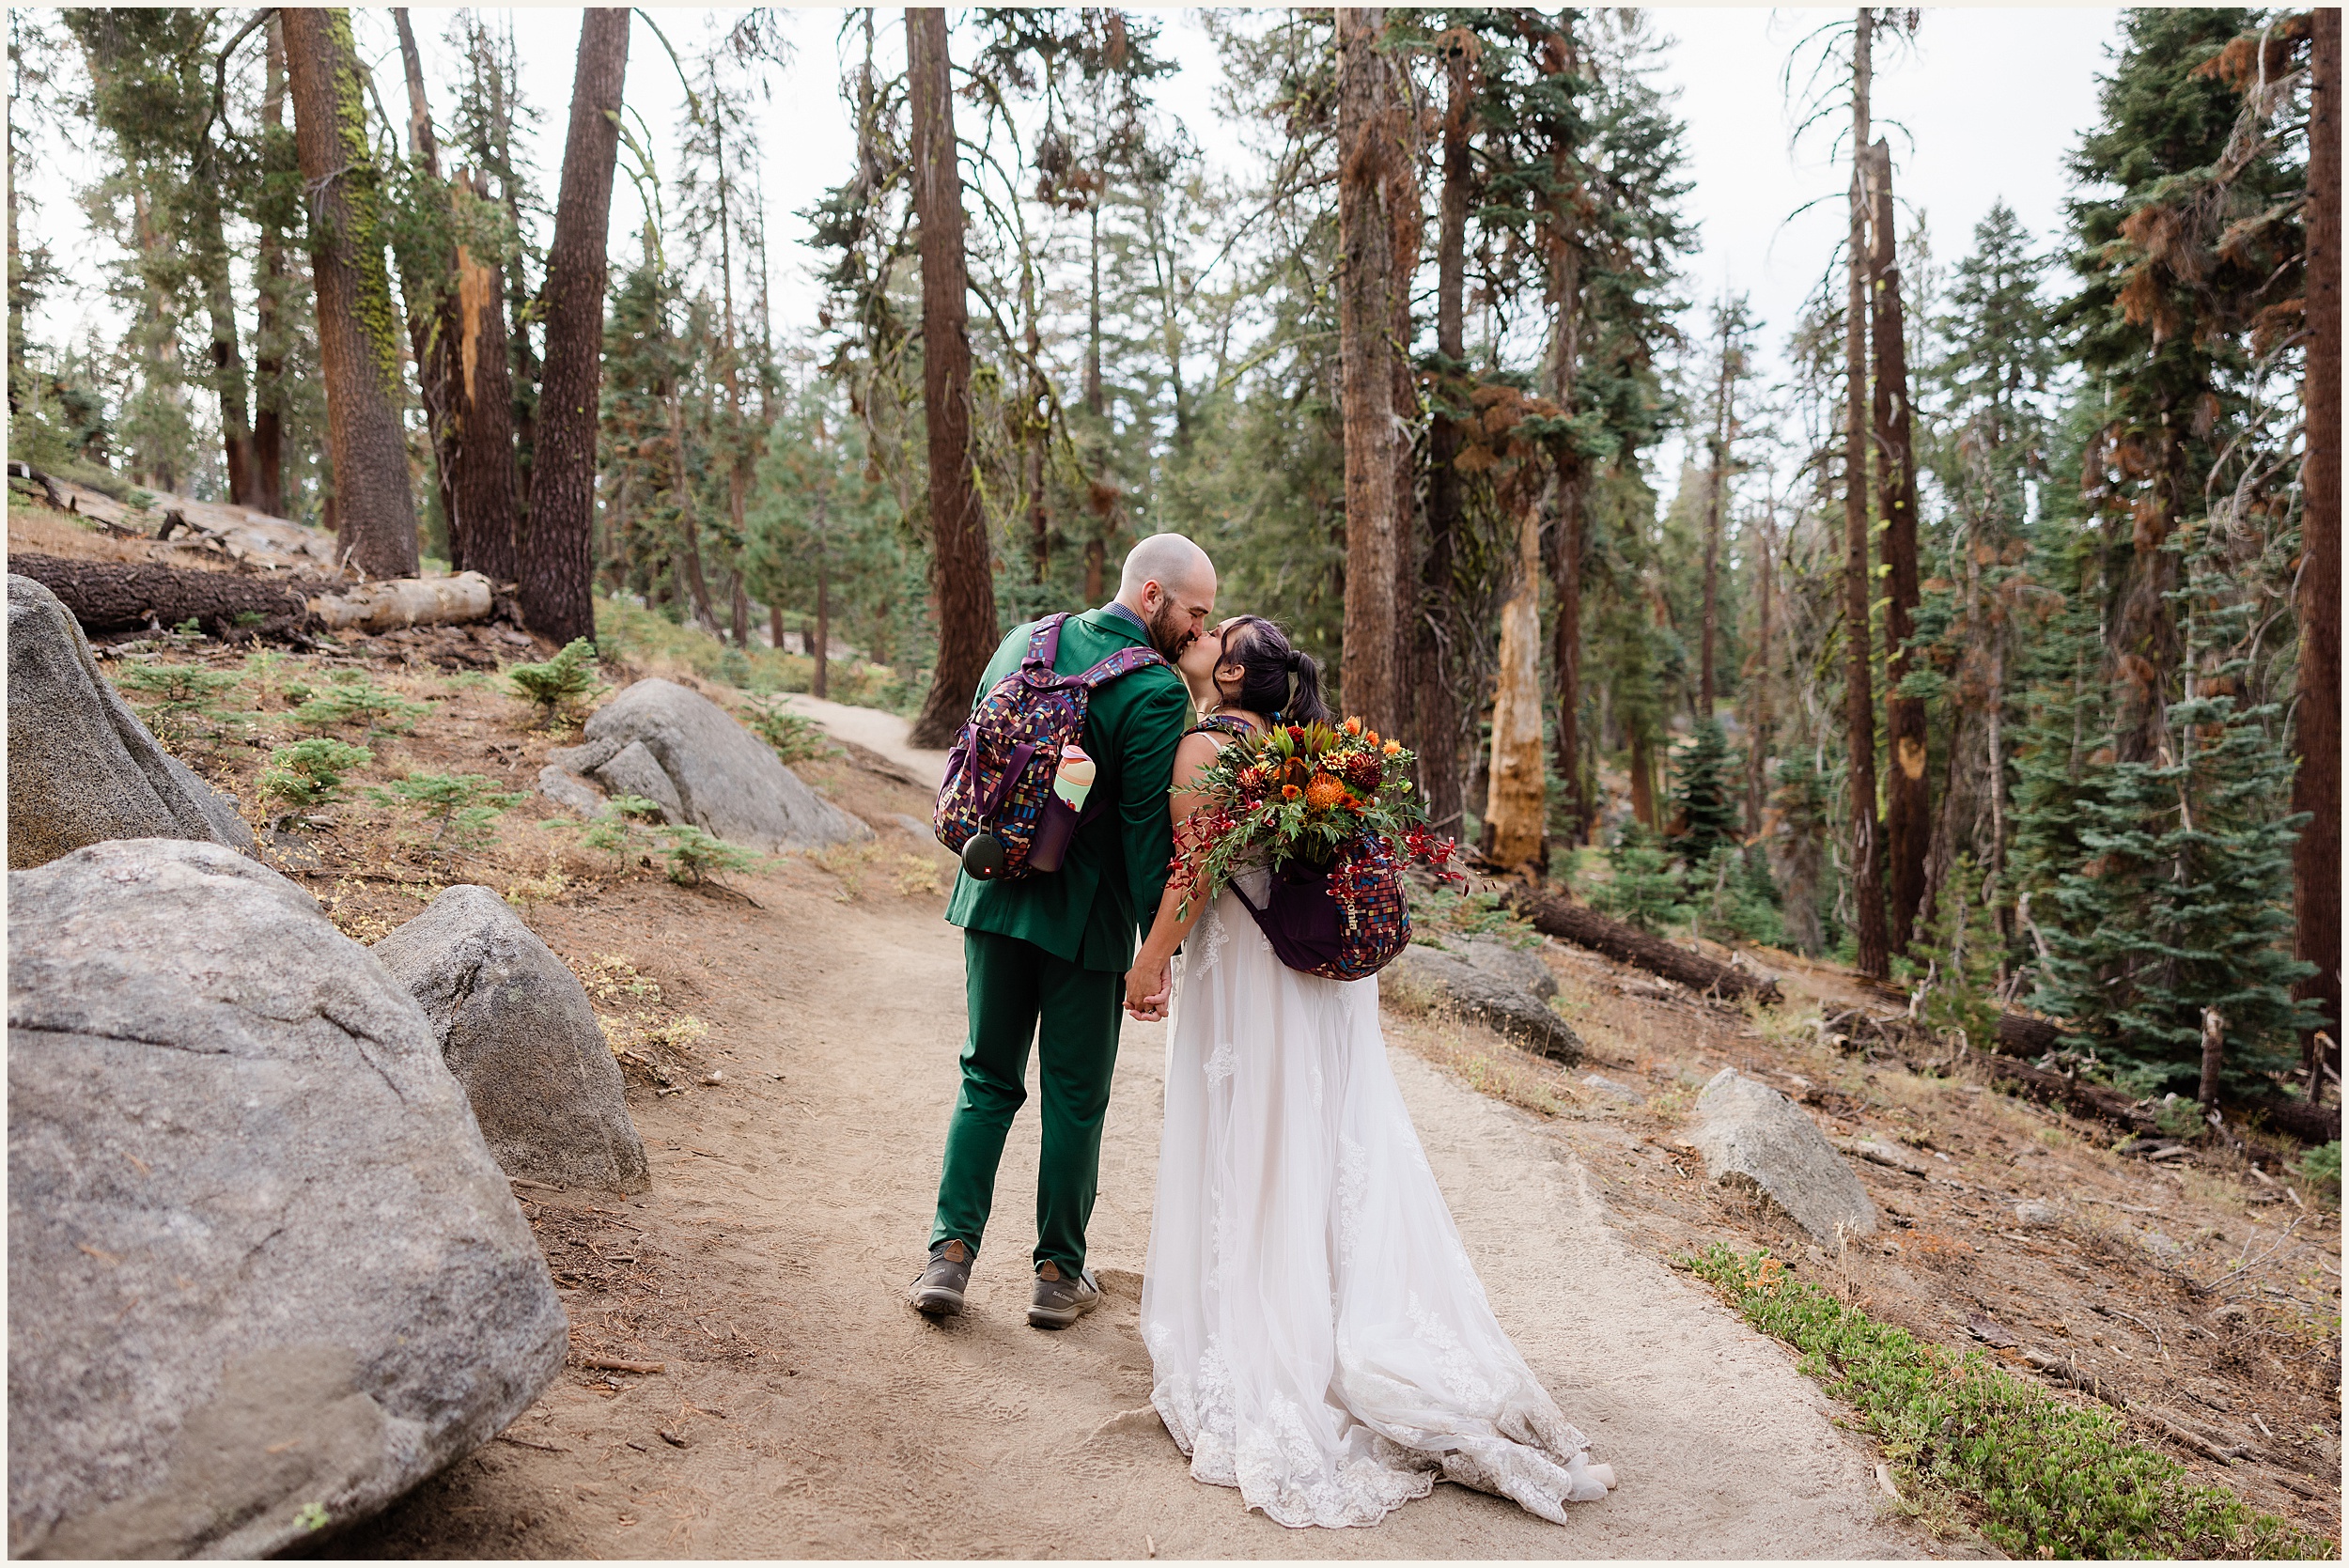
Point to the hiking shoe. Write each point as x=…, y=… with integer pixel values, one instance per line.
x=939, y=1292
x=1060, y=1302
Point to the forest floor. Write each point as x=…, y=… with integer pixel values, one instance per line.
x=791, y=1039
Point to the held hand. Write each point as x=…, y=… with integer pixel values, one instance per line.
x=1146, y=991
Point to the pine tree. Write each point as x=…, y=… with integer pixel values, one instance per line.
x=1704, y=795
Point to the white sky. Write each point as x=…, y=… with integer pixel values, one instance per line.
x=1995, y=98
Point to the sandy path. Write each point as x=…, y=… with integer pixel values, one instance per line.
x=789, y=1213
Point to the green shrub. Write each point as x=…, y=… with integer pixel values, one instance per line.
x=1645, y=889
x=1737, y=898
x=2321, y=1168
x=2041, y=1478
x=356, y=699
x=566, y=678
x=178, y=696
x=694, y=854
x=459, y=806
x=793, y=737
x=615, y=829
x=306, y=775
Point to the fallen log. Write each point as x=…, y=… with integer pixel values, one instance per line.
x=1584, y=926
x=403, y=601
x=2023, y=1034
x=131, y=595
x=2091, y=1101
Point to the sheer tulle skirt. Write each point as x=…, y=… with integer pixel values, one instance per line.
x=1318, y=1336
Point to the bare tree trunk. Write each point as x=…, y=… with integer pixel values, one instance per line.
x=1097, y=570
x=821, y=647
x=558, y=559
x=1436, y=705
x=1036, y=429
x=1562, y=243
x=1515, y=810
x=1858, y=696
x=268, y=418
x=1908, y=816
x=775, y=627
x=1642, y=777
x=483, y=526
x=687, y=515
x=1716, y=481
x=1407, y=215
x=2316, y=787
x=1366, y=128
x=428, y=287
x=1758, y=744
x=375, y=513
x=961, y=576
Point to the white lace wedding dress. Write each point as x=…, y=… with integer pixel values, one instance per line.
x=1318, y=1336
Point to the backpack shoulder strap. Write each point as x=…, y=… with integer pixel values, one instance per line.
x=1125, y=661
x=1044, y=643
x=1228, y=726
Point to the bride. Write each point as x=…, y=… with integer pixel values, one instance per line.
x=1318, y=1336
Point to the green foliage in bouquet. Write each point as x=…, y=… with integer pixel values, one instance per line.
x=1302, y=792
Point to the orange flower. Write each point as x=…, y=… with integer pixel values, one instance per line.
x=1324, y=791
x=1372, y=737
x=1353, y=726
x=1394, y=748
x=1290, y=792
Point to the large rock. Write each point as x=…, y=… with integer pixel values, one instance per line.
x=82, y=769
x=634, y=770
x=263, y=1276
x=720, y=776
x=1752, y=1135
x=1489, y=981
x=515, y=1028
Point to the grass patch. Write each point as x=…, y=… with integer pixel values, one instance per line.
x=2038, y=1477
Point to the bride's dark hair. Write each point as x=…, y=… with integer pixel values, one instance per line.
x=1276, y=678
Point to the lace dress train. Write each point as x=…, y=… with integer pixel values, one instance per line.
x=1318, y=1336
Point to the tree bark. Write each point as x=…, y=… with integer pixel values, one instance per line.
x=961, y=574
x=1366, y=132
x=558, y=557
x=375, y=513
x=270, y=285
x=1715, y=482
x=821, y=646
x=130, y=595
x=484, y=526
x=1758, y=744
x=1858, y=698
x=1436, y=703
x=1584, y=926
x=1563, y=242
x=1515, y=814
x=1407, y=216
x=1908, y=814
x=428, y=284
x=2316, y=786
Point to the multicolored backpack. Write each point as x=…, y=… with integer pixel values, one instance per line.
x=999, y=776
x=1345, y=920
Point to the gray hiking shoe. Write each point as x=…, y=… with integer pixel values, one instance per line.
x=1060, y=1302
x=938, y=1291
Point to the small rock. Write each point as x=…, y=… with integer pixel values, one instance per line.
x=1753, y=1135
x=1597, y=1083
x=516, y=1028
x=634, y=771
x=569, y=791
x=1880, y=1152
x=82, y=769
x=1991, y=1332
x=713, y=1077
x=2231, y=1314
x=2037, y=1215
x=1478, y=993
x=915, y=828
x=2159, y=1244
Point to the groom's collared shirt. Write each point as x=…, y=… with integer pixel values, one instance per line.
x=1087, y=911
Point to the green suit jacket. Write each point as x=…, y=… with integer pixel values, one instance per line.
x=1087, y=912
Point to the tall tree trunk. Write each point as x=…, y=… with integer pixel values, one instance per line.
x=1097, y=570
x=229, y=374
x=1859, y=697
x=269, y=288
x=1642, y=777
x=1716, y=480
x=688, y=513
x=1562, y=243
x=1436, y=705
x=1366, y=113
x=1516, y=809
x=375, y=513
x=1035, y=429
x=961, y=575
x=2316, y=787
x=1758, y=744
x=428, y=278
x=1908, y=813
x=821, y=646
x=775, y=627
x=483, y=525
x=558, y=556
x=1407, y=216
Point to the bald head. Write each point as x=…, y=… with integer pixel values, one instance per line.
x=1170, y=583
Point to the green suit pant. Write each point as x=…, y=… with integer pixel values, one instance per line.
x=1012, y=987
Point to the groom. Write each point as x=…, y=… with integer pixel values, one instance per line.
x=1054, y=948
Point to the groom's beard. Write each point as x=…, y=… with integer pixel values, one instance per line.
x=1170, y=631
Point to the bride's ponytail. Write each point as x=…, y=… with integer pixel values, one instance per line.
x=1278, y=678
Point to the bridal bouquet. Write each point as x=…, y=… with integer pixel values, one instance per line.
x=1317, y=797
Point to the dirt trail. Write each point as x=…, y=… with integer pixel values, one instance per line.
x=807, y=1412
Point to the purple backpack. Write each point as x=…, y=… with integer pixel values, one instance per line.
x=1342, y=921
x=996, y=808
